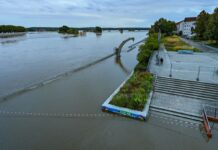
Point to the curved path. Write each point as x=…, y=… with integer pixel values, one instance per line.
x=201, y=46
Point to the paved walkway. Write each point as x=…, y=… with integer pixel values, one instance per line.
x=201, y=46
x=186, y=66
x=179, y=103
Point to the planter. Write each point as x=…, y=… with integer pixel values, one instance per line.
x=142, y=115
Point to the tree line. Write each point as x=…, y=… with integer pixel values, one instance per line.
x=207, y=26
x=67, y=30
x=11, y=28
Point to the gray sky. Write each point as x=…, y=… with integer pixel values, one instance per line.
x=106, y=13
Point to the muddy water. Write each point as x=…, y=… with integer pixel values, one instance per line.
x=85, y=126
x=36, y=57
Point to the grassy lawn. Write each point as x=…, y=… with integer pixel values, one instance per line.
x=174, y=43
x=135, y=92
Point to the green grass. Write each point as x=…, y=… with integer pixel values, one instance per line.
x=174, y=43
x=135, y=92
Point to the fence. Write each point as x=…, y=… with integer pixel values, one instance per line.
x=194, y=71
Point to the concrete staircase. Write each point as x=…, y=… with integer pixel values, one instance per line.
x=185, y=88
x=176, y=113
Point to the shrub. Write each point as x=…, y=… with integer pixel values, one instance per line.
x=135, y=92
x=146, y=50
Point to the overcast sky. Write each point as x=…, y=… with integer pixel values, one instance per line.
x=106, y=13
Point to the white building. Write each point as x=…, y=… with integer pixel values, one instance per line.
x=185, y=27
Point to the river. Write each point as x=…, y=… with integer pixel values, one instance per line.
x=66, y=114
x=37, y=57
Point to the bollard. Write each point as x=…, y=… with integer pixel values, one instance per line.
x=198, y=76
x=171, y=67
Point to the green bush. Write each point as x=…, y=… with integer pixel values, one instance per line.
x=134, y=93
x=146, y=50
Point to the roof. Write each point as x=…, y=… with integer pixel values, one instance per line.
x=179, y=22
x=189, y=19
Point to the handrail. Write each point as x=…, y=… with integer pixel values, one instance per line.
x=204, y=113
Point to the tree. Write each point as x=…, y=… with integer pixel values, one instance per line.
x=67, y=30
x=72, y=31
x=11, y=28
x=98, y=29
x=63, y=29
x=166, y=26
x=212, y=28
x=201, y=25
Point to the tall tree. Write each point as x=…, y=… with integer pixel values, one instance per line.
x=212, y=28
x=98, y=29
x=201, y=25
x=166, y=26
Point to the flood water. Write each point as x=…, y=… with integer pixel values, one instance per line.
x=66, y=114
x=36, y=57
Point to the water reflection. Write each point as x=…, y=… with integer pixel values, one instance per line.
x=98, y=35
x=118, y=61
x=42, y=56
x=12, y=40
x=9, y=42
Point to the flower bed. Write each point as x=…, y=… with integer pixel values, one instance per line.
x=136, y=105
x=133, y=96
x=134, y=93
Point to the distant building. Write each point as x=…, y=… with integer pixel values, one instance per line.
x=186, y=26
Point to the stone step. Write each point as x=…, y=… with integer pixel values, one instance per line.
x=186, y=95
x=165, y=79
x=188, y=89
x=176, y=113
x=187, y=83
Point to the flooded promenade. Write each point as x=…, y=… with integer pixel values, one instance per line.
x=66, y=114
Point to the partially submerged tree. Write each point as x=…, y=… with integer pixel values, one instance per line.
x=98, y=29
x=63, y=29
x=67, y=30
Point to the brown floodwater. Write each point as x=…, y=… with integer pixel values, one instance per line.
x=66, y=114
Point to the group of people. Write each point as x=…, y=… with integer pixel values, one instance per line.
x=159, y=60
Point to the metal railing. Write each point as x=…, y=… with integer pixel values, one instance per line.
x=211, y=111
x=212, y=71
